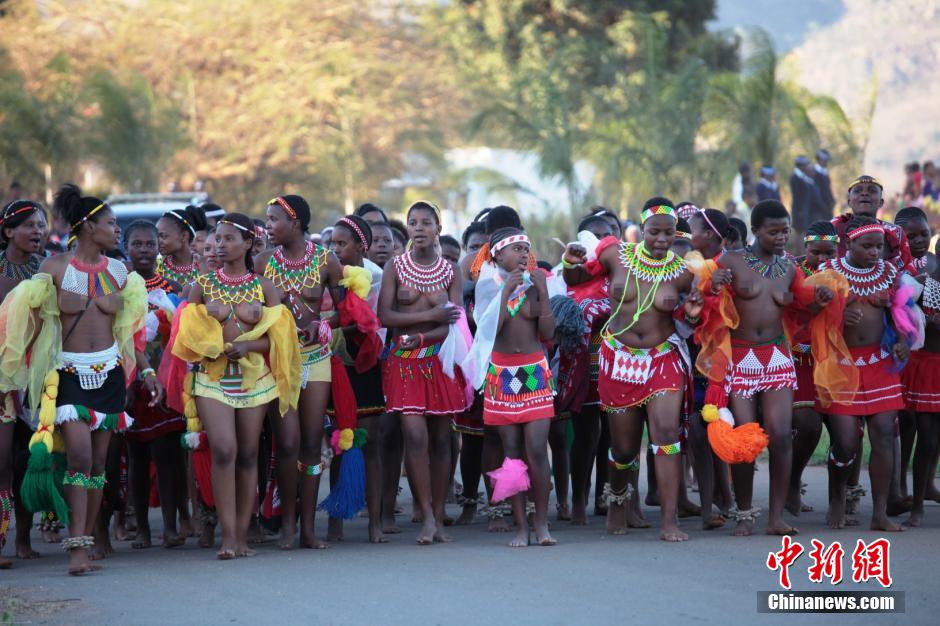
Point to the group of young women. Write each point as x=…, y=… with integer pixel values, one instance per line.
x=359, y=355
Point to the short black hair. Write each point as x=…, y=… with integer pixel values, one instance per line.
x=501, y=216
x=768, y=210
x=545, y=265
x=683, y=226
x=586, y=222
x=450, y=241
x=908, y=214
x=399, y=231
x=368, y=207
x=475, y=227
x=139, y=225
x=822, y=228
x=656, y=201
x=737, y=230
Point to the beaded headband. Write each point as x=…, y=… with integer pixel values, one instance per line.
x=709, y=222
x=225, y=220
x=424, y=204
x=345, y=221
x=864, y=230
x=74, y=227
x=180, y=217
x=866, y=179
x=259, y=232
x=216, y=212
x=291, y=213
x=12, y=214
x=508, y=241
x=687, y=210
x=832, y=238
x=681, y=234
x=661, y=209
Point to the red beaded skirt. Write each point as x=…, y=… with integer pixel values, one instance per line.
x=415, y=383
x=921, y=380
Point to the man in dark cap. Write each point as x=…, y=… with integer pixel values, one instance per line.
x=865, y=198
x=806, y=204
x=767, y=188
x=821, y=176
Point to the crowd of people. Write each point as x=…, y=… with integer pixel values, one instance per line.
x=217, y=366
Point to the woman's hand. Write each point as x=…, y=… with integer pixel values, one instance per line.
x=720, y=278
x=575, y=254
x=539, y=280
x=445, y=314
x=901, y=351
x=694, y=303
x=852, y=317
x=236, y=350
x=155, y=389
x=823, y=296
x=311, y=334
x=513, y=280
x=409, y=342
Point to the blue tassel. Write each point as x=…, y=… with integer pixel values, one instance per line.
x=349, y=496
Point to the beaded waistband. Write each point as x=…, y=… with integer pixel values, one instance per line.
x=614, y=344
x=418, y=353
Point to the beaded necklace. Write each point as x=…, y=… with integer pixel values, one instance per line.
x=18, y=271
x=295, y=275
x=230, y=290
x=920, y=264
x=868, y=281
x=931, y=297
x=424, y=278
x=634, y=258
x=158, y=282
x=92, y=281
x=182, y=274
x=773, y=270
x=807, y=271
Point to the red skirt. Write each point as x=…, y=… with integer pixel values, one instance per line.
x=758, y=367
x=805, y=395
x=519, y=389
x=631, y=377
x=150, y=422
x=879, y=386
x=470, y=422
x=921, y=380
x=415, y=383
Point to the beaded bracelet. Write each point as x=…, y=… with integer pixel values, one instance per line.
x=148, y=372
x=566, y=265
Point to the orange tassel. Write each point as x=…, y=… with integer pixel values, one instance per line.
x=737, y=445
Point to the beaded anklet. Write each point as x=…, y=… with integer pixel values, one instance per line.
x=77, y=479
x=75, y=543
x=619, y=498
x=669, y=449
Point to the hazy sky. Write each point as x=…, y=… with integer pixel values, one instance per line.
x=788, y=22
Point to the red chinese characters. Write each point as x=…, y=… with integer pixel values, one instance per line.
x=826, y=562
x=871, y=561
x=789, y=552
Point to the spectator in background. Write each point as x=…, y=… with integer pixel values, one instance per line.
x=931, y=189
x=450, y=248
x=632, y=233
x=913, y=185
x=730, y=207
x=767, y=188
x=326, y=237
x=806, y=201
x=400, y=236
x=821, y=176
x=15, y=192
x=741, y=181
x=371, y=214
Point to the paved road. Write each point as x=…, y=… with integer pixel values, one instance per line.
x=589, y=577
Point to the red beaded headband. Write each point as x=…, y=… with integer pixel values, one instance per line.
x=345, y=221
x=864, y=230
x=681, y=234
x=508, y=241
x=291, y=213
x=22, y=209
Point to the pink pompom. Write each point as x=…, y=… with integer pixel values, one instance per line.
x=509, y=479
x=334, y=441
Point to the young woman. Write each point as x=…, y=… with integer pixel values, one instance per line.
x=420, y=301
x=820, y=243
x=300, y=271
x=643, y=362
x=359, y=351
x=381, y=249
x=244, y=344
x=207, y=260
x=921, y=376
x=710, y=230
x=88, y=308
x=22, y=227
x=761, y=365
x=155, y=435
x=517, y=383
x=914, y=223
x=178, y=230
x=879, y=395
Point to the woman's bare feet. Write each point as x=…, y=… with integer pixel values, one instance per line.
x=25, y=551
x=440, y=536
x=426, y=536
x=712, y=523
x=915, y=518
x=119, y=530
x=687, y=508
x=79, y=563
x=389, y=527
x=564, y=512
x=744, y=528
x=879, y=522
x=543, y=537
x=467, y=515
x=635, y=517
x=334, y=530
x=288, y=536
x=311, y=541
x=521, y=539
x=142, y=541
x=173, y=540
x=255, y=532
x=670, y=532
x=207, y=536
x=50, y=535
x=617, y=519
x=375, y=533
x=186, y=528
x=781, y=528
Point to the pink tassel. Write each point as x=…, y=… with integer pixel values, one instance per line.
x=510, y=479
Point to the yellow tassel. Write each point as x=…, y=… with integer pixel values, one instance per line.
x=709, y=413
x=346, y=437
x=47, y=412
x=193, y=425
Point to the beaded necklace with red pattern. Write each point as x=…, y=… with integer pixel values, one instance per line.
x=183, y=274
x=865, y=283
x=425, y=278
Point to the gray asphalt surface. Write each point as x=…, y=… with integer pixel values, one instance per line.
x=589, y=577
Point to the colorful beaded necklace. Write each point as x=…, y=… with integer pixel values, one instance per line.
x=807, y=271
x=92, y=281
x=18, y=271
x=158, y=282
x=931, y=298
x=294, y=275
x=424, y=278
x=920, y=264
x=636, y=260
x=182, y=274
x=868, y=281
x=773, y=270
x=229, y=290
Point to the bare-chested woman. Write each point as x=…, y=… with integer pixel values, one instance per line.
x=244, y=342
x=873, y=283
x=761, y=367
x=301, y=270
x=86, y=309
x=643, y=362
x=419, y=301
x=513, y=317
